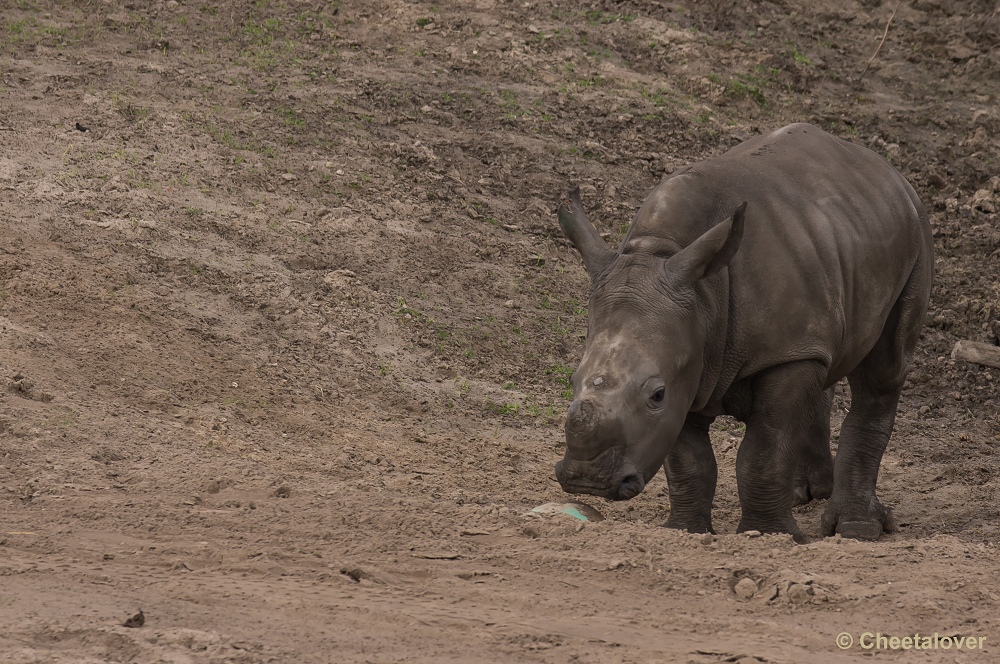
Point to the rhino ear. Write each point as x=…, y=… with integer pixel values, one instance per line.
x=573, y=220
x=709, y=253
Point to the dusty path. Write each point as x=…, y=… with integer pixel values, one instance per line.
x=286, y=324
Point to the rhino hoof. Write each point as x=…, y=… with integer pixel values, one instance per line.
x=861, y=530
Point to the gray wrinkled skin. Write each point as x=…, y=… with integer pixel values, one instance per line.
x=748, y=285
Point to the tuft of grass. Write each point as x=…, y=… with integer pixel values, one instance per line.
x=598, y=17
x=129, y=110
x=561, y=375
x=745, y=86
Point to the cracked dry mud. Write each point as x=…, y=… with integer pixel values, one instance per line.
x=286, y=323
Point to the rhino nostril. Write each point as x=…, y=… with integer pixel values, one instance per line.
x=630, y=487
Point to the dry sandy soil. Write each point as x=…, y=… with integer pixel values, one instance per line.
x=286, y=324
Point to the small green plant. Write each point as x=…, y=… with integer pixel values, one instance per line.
x=799, y=57
x=560, y=374
x=597, y=17
x=290, y=117
x=509, y=409
x=130, y=111
x=560, y=329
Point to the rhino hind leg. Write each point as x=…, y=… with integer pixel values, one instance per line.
x=814, y=477
x=854, y=509
x=692, y=474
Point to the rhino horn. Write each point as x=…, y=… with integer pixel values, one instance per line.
x=577, y=227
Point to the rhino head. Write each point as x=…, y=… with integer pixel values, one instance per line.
x=645, y=352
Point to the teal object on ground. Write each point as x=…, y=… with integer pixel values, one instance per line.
x=578, y=511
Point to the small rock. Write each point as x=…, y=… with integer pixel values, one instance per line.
x=282, y=492
x=767, y=594
x=509, y=304
x=799, y=593
x=426, y=109
x=533, y=29
x=924, y=410
x=138, y=620
x=984, y=200
x=531, y=531
x=745, y=588
x=215, y=486
x=752, y=533
x=288, y=177
x=358, y=574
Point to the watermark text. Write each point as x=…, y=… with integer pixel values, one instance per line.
x=879, y=641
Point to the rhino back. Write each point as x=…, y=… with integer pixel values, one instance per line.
x=832, y=234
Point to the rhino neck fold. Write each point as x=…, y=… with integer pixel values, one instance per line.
x=712, y=295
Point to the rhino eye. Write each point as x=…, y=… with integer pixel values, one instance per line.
x=658, y=396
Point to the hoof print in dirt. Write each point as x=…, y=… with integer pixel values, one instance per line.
x=138, y=620
x=282, y=492
x=732, y=293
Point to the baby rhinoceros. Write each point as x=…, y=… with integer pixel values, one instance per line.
x=748, y=285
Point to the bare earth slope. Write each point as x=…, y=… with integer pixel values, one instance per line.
x=286, y=325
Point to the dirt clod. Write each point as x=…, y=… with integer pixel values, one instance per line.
x=138, y=620
x=745, y=588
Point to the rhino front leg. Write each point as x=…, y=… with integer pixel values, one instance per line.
x=814, y=478
x=691, y=477
x=768, y=458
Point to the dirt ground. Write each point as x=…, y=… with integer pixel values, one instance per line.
x=286, y=324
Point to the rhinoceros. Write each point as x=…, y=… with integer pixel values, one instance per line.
x=748, y=285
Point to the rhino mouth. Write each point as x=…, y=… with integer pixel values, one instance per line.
x=607, y=476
